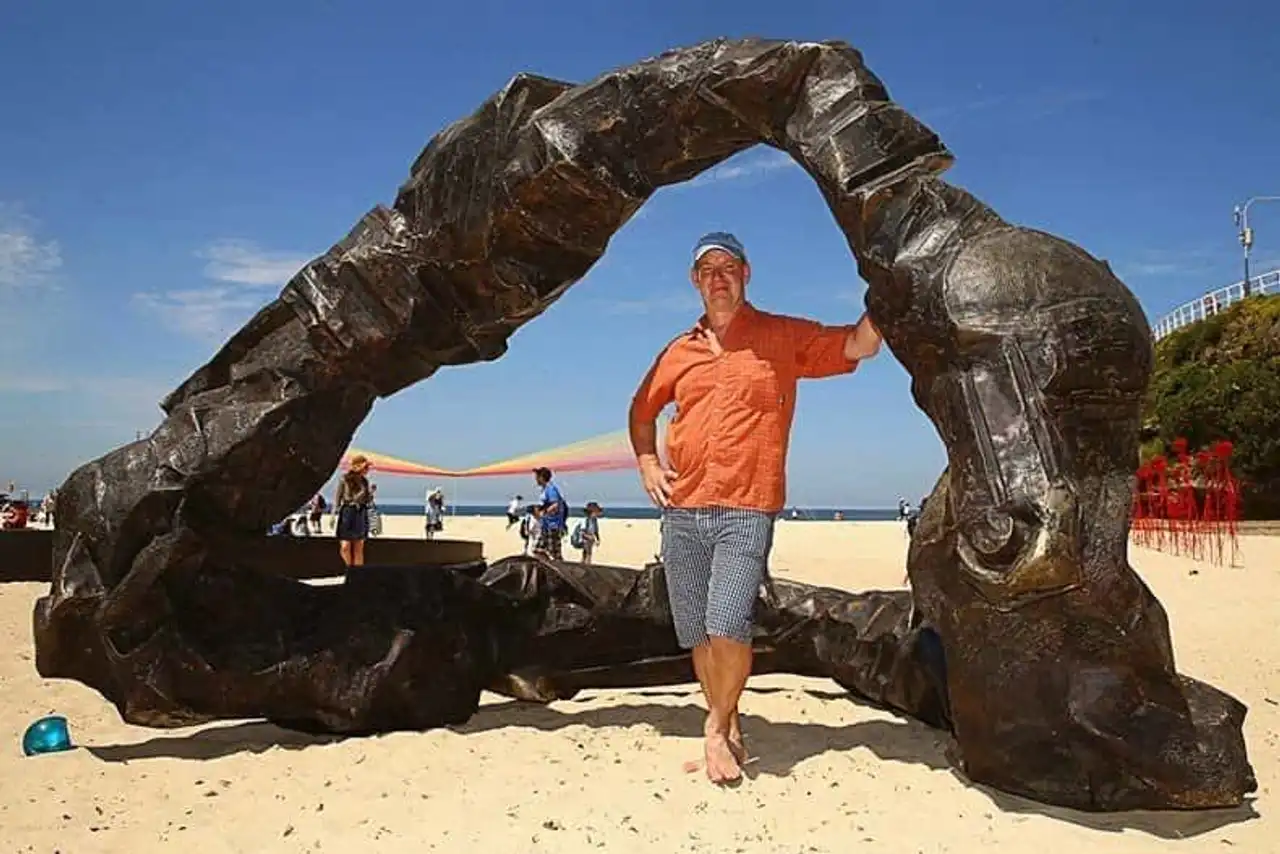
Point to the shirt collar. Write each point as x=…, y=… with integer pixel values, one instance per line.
x=745, y=312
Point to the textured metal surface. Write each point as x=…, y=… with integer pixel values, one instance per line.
x=1028, y=355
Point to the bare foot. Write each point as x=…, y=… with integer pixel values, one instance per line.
x=722, y=765
x=738, y=749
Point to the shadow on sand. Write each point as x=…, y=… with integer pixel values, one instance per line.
x=780, y=746
x=212, y=743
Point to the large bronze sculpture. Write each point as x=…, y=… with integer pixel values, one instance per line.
x=1026, y=632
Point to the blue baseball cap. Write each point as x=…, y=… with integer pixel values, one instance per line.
x=722, y=240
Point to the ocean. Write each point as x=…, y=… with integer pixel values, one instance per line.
x=807, y=514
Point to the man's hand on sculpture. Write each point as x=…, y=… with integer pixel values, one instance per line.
x=657, y=480
x=863, y=341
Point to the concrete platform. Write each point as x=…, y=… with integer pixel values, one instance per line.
x=28, y=555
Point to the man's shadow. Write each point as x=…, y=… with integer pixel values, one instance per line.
x=779, y=745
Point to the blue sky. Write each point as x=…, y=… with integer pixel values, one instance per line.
x=165, y=167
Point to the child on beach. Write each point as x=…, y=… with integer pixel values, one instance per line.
x=531, y=527
x=586, y=535
x=435, y=512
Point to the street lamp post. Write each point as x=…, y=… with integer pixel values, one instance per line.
x=1246, y=233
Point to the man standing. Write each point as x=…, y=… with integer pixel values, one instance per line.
x=554, y=516
x=733, y=380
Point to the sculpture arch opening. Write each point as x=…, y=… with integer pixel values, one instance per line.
x=1026, y=353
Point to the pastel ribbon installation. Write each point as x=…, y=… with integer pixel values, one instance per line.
x=607, y=452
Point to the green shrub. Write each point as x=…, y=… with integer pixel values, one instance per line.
x=1220, y=379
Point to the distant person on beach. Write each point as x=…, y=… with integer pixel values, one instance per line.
x=316, y=511
x=48, y=509
x=554, y=516
x=435, y=512
x=909, y=514
x=375, y=515
x=352, y=504
x=586, y=535
x=531, y=528
x=513, y=511
x=733, y=380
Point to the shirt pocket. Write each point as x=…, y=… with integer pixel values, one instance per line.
x=758, y=383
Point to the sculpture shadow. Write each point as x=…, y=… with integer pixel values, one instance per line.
x=1168, y=825
x=782, y=746
x=779, y=746
x=213, y=743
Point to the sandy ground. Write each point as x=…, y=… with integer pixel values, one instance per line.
x=603, y=771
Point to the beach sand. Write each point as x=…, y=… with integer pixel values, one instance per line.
x=602, y=772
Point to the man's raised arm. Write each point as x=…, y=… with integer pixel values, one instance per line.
x=827, y=351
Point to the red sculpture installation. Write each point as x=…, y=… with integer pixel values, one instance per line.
x=1189, y=505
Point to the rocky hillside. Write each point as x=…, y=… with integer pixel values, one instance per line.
x=1220, y=379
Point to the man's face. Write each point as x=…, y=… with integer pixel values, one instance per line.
x=721, y=280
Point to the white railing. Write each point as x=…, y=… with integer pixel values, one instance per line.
x=1215, y=301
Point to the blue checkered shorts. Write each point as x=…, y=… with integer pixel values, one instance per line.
x=715, y=559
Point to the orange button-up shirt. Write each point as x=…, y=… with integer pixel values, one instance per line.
x=729, y=437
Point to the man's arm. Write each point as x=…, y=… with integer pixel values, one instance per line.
x=827, y=351
x=653, y=395
x=655, y=392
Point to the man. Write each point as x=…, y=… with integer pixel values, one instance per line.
x=733, y=380
x=554, y=517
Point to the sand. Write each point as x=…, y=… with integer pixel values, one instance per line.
x=602, y=772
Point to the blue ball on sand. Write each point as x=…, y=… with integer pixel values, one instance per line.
x=47, y=735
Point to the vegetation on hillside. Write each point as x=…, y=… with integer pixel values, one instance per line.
x=1220, y=379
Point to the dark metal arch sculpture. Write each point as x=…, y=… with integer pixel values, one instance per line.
x=1027, y=633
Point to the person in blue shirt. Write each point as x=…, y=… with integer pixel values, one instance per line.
x=555, y=516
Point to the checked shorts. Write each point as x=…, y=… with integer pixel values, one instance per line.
x=716, y=559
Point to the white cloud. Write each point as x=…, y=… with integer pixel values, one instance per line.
x=852, y=294
x=1034, y=105
x=671, y=303
x=1153, y=268
x=244, y=263
x=127, y=391
x=80, y=418
x=204, y=313
x=759, y=164
x=1195, y=261
x=17, y=382
x=25, y=259
x=246, y=276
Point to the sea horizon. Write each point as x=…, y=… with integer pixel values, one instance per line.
x=623, y=511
